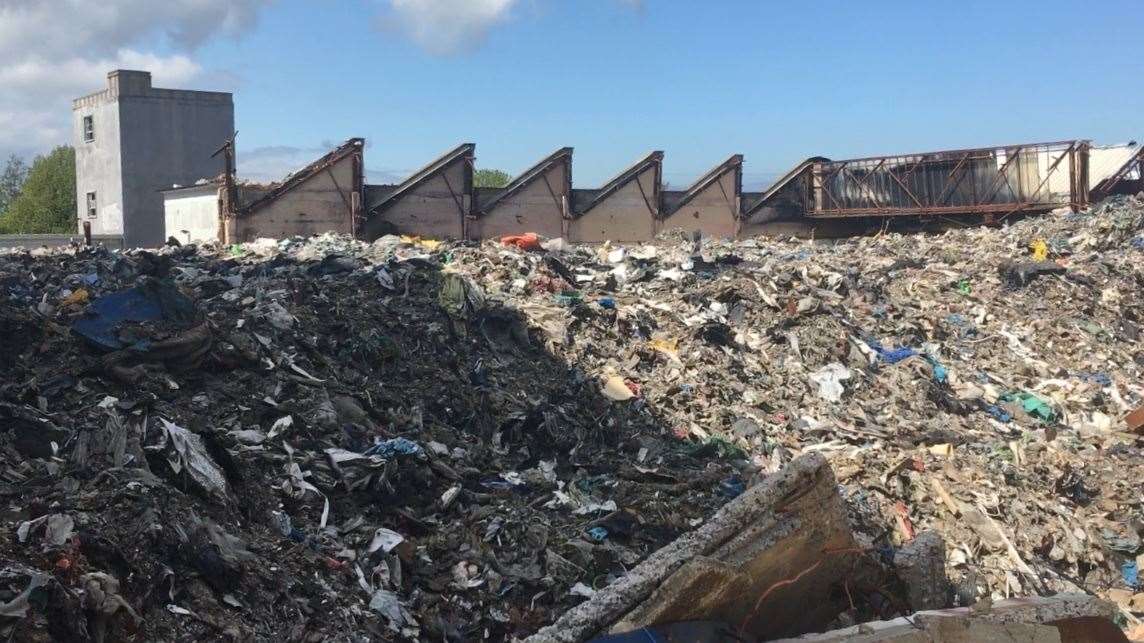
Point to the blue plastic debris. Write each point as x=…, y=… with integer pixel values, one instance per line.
x=394, y=446
x=732, y=487
x=151, y=301
x=1130, y=573
x=607, y=302
x=895, y=355
x=891, y=355
x=997, y=412
x=1097, y=378
x=598, y=534
x=940, y=373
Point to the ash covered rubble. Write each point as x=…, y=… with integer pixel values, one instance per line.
x=324, y=439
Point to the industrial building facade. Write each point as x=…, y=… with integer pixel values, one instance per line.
x=157, y=163
x=132, y=140
x=440, y=200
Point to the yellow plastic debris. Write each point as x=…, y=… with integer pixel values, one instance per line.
x=428, y=244
x=1040, y=250
x=667, y=346
x=76, y=298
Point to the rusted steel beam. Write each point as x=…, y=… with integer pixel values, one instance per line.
x=950, y=184
x=1003, y=174
x=862, y=182
x=990, y=149
x=1000, y=208
x=926, y=184
x=906, y=189
x=1048, y=174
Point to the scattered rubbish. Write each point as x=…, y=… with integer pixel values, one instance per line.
x=829, y=380
x=1032, y=405
x=1135, y=421
x=580, y=589
x=1020, y=273
x=526, y=241
x=116, y=321
x=439, y=440
x=1131, y=574
x=185, y=452
x=598, y=534
x=385, y=540
x=616, y=389
x=1039, y=249
x=27, y=581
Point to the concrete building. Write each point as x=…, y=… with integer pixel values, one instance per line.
x=133, y=140
x=711, y=205
x=191, y=213
x=536, y=201
x=624, y=209
x=324, y=196
x=435, y=201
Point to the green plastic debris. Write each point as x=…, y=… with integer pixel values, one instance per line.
x=716, y=447
x=964, y=287
x=569, y=298
x=460, y=297
x=1033, y=405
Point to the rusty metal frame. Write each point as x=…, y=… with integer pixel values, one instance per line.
x=923, y=184
x=1109, y=185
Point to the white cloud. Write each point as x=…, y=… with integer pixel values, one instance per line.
x=64, y=28
x=52, y=51
x=447, y=26
x=443, y=27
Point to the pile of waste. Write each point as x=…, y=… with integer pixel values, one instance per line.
x=326, y=439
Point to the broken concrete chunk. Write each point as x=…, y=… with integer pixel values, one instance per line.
x=730, y=569
x=921, y=567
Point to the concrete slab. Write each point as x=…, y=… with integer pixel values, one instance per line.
x=765, y=563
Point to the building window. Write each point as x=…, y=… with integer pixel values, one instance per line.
x=88, y=129
x=91, y=205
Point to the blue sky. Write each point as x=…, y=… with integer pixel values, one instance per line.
x=615, y=79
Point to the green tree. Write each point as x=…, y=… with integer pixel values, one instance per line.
x=11, y=180
x=491, y=178
x=46, y=203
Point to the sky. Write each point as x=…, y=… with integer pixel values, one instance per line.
x=615, y=79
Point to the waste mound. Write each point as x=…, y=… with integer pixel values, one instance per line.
x=324, y=439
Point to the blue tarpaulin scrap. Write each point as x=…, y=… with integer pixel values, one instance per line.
x=394, y=446
x=150, y=301
x=1130, y=573
x=997, y=412
x=891, y=355
x=598, y=534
